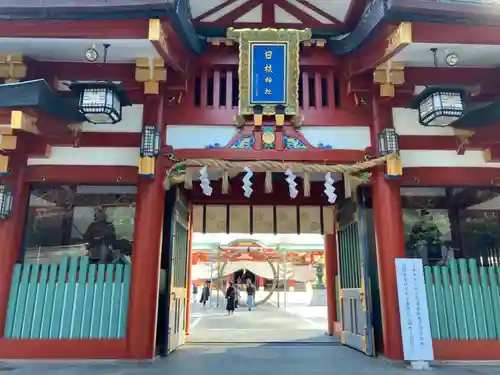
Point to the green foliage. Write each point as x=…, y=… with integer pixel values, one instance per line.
x=425, y=232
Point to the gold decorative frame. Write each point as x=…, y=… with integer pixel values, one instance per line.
x=293, y=37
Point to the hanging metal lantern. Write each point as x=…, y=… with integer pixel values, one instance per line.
x=439, y=105
x=388, y=142
x=150, y=142
x=100, y=102
x=6, y=201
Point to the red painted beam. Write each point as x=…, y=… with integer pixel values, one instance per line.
x=228, y=56
x=68, y=71
x=214, y=10
x=319, y=11
x=438, y=33
x=449, y=176
x=372, y=53
x=172, y=50
x=217, y=117
x=78, y=29
x=313, y=155
x=268, y=14
x=303, y=17
x=229, y=19
x=90, y=174
x=98, y=139
x=484, y=137
x=488, y=79
x=427, y=142
x=258, y=25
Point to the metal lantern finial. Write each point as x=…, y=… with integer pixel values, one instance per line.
x=6, y=201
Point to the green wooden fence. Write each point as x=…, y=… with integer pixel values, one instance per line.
x=69, y=300
x=464, y=301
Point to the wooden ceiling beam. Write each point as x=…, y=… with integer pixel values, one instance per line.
x=78, y=29
x=230, y=18
x=303, y=17
x=487, y=79
x=228, y=56
x=168, y=45
x=391, y=40
x=438, y=33
x=320, y=11
x=214, y=10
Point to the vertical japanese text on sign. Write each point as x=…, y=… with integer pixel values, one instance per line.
x=268, y=72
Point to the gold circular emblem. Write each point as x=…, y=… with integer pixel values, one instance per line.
x=268, y=138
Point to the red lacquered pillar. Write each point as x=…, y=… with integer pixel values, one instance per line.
x=389, y=233
x=146, y=253
x=331, y=271
x=11, y=230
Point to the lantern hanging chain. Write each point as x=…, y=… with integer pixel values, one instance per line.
x=269, y=165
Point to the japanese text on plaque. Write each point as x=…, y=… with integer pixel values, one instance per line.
x=268, y=73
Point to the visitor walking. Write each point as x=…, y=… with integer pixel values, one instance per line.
x=205, y=294
x=230, y=298
x=250, y=295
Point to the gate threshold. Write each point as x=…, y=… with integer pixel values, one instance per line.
x=266, y=343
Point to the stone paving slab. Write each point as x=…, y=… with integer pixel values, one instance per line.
x=265, y=323
x=264, y=359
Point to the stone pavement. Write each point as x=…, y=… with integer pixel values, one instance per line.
x=250, y=359
x=265, y=323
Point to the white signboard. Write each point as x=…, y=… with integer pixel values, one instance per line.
x=413, y=309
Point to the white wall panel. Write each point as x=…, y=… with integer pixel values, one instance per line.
x=131, y=122
x=444, y=158
x=338, y=137
x=406, y=123
x=122, y=156
x=198, y=136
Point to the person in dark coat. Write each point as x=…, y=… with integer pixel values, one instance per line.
x=230, y=298
x=205, y=294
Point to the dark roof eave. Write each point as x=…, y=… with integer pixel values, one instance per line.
x=182, y=23
x=382, y=11
x=84, y=12
x=39, y=95
x=178, y=12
